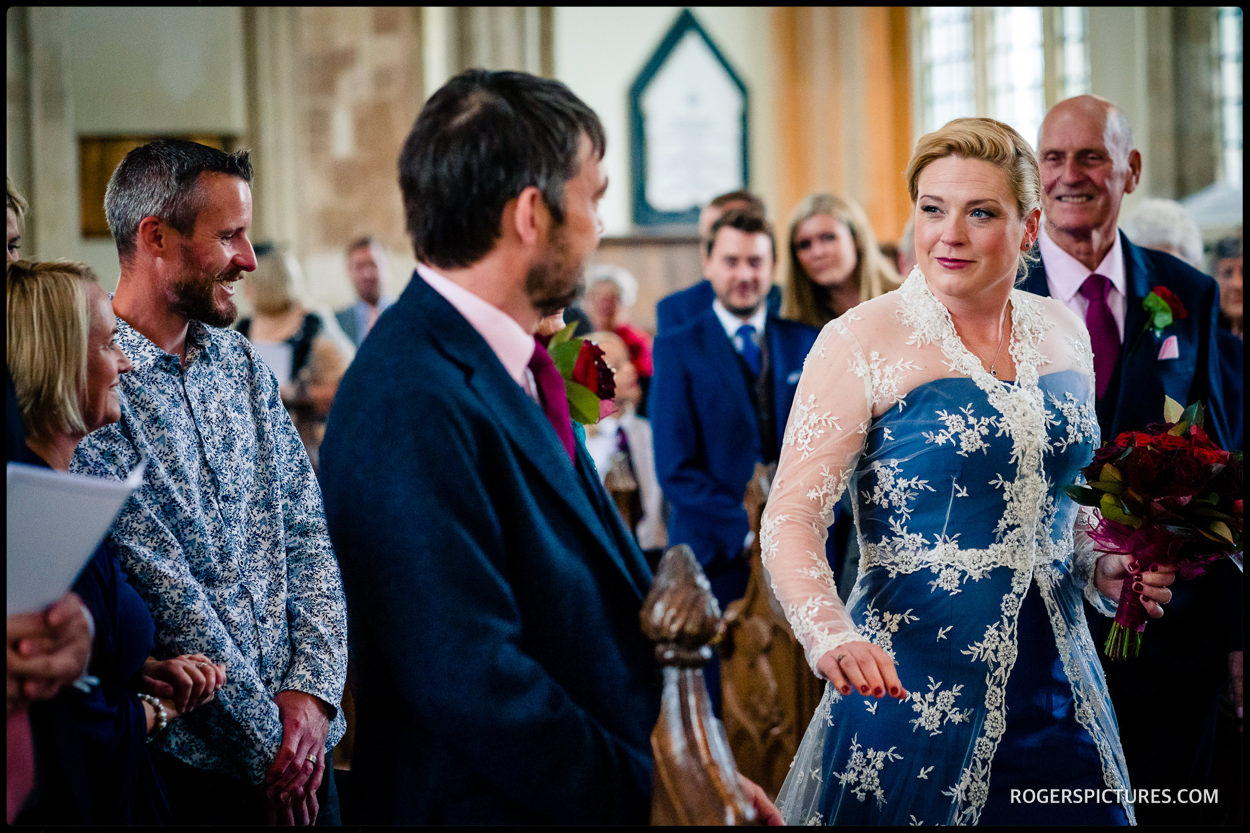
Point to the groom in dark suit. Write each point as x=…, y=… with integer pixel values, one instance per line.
x=493, y=591
x=1088, y=164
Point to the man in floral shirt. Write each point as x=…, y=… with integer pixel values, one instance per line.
x=226, y=540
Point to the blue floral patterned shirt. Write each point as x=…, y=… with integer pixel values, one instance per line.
x=226, y=541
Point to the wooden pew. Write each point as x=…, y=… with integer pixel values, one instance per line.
x=695, y=780
x=768, y=690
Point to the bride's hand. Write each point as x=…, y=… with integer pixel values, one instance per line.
x=863, y=667
x=1113, y=569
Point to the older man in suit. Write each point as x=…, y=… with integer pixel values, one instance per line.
x=1088, y=165
x=369, y=270
x=493, y=590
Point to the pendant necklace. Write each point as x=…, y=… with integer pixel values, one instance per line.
x=1002, y=333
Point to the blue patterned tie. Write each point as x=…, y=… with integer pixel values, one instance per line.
x=750, y=351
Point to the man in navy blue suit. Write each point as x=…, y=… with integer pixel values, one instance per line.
x=1088, y=165
x=681, y=306
x=722, y=390
x=494, y=593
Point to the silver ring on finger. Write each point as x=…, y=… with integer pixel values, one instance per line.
x=311, y=758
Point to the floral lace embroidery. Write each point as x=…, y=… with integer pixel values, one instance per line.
x=969, y=430
x=937, y=708
x=880, y=627
x=805, y=425
x=863, y=771
x=1079, y=419
x=892, y=491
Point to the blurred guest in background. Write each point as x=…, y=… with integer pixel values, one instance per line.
x=370, y=272
x=64, y=359
x=1226, y=267
x=907, y=249
x=610, y=295
x=304, y=348
x=14, y=210
x=834, y=261
x=691, y=302
x=1165, y=225
x=622, y=442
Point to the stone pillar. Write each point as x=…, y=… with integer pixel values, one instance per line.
x=52, y=185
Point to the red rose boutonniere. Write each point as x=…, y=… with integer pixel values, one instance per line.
x=588, y=381
x=1162, y=306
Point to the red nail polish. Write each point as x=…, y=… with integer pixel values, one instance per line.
x=893, y=691
x=1154, y=568
x=1137, y=586
x=877, y=692
x=846, y=689
x=863, y=689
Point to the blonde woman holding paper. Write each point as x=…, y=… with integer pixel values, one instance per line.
x=95, y=769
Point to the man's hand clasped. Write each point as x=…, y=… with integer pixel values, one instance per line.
x=293, y=779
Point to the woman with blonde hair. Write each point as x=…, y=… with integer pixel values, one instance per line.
x=305, y=348
x=835, y=262
x=953, y=410
x=94, y=768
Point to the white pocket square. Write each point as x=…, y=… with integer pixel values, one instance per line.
x=1169, y=349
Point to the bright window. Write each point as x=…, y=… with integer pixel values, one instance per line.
x=1008, y=63
x=1229, y=25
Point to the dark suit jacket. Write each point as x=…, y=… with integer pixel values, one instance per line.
x=707, y=439
x=684, y=305
x=1203, y=621
x=1135, y=397
x=493, y=592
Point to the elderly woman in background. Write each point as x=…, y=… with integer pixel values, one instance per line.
x=1165, y=225
x=835, y=261
x=610, y=294
x=954, y=410
x=65, y=364
x=306, y=349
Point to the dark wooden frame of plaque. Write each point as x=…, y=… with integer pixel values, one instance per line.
x=644, y=213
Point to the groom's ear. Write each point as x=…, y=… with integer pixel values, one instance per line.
x=530, y=218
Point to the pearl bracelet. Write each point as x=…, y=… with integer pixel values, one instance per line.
x=162, y=716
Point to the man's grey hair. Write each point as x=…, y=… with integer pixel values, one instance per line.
x=161, y=179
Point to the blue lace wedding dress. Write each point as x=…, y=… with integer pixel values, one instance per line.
x=968, y=575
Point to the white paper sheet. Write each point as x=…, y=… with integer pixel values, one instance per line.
x=55, y=521
x=278, y=355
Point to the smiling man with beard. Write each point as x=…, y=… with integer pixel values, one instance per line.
x=226, y=540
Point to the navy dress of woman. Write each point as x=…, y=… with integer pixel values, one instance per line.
x=91, y=759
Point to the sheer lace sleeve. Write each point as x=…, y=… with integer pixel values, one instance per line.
x=823, y=440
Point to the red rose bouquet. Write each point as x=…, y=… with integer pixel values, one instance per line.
x=588, y=381
x=1167, y=495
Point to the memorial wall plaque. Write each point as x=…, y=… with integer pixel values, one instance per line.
x=688, y=128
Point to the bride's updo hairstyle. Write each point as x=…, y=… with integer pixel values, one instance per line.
x=990, y=141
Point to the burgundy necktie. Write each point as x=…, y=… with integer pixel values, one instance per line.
x=1104, y=334
x=551, y=396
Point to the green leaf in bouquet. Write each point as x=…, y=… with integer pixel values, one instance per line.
x=1172, y=410
x=564, y=335
x=1108, y=487
x=1110, y=472
x=1222, y=531
x=1194, y=414
x=564, y=355
x=1083, y=495
x=1113, y=510
x=583, y=404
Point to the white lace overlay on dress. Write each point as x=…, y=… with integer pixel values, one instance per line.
x=862, y=366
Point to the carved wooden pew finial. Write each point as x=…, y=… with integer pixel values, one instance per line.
x=695, y=780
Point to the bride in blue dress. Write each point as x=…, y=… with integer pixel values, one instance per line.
x=963, y=686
